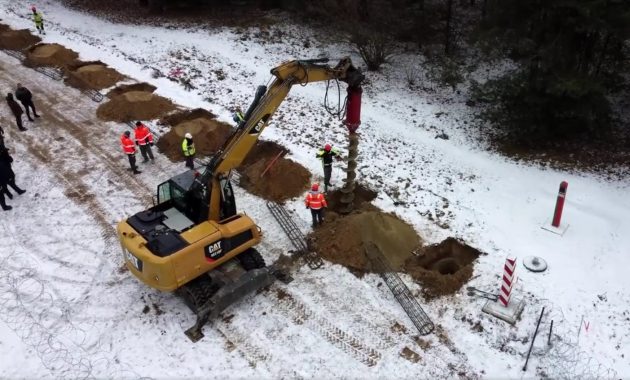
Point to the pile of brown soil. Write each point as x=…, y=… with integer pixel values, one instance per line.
x=208, y=135
x=134, y=105
x=51, y=55
x=343, y=240
x=285, y=179
x=263, y=150
x=442, y=268
x=130, y=87
x=95, y=75
x=180, y=117
x=16, y=39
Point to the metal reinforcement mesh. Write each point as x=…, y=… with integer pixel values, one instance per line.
x=95, y=95
x=51, y=72
x=296, y=236
x=400, y=291
x=15, y=54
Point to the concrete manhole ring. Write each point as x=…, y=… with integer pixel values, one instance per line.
x=535, y=264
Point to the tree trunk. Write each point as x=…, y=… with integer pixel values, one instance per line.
x=448, y=33
x=362, y=10
x=602, y=54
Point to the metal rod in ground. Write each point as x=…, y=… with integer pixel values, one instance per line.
x=533, y=339
x=271, y=163
x=549, y=337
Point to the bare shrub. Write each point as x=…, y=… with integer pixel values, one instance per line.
x=375, y=49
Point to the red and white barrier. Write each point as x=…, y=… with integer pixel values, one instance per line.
x=509, y=278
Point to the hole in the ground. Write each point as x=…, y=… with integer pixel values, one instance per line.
x=446, y=266
x=362, y=196
x=443, y=268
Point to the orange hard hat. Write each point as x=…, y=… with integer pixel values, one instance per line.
x=315, y=187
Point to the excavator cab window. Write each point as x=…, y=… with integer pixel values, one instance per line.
x=228, y=203
x=164, y=192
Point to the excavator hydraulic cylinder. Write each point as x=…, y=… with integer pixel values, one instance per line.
x=353, y=108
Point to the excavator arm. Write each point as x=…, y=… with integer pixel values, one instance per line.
x=266, y=102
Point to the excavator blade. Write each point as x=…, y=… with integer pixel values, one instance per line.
x=227, y=295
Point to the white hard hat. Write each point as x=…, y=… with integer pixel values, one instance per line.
x=188, y=135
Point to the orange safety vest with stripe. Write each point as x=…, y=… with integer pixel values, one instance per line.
x=143, y=135
x=127, y=145
x=315, y=200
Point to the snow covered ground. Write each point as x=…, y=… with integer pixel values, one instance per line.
x=68, y=310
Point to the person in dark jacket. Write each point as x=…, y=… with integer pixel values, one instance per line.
x=326, y=155
x=7, y=178
x=26, y=98
x=17, y=111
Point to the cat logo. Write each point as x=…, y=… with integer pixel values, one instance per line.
x=259, y=126
x=214, y=251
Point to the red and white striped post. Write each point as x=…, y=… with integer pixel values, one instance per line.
x=557, y=214
x=509, y=278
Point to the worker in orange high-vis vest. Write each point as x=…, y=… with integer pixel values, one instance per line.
x=317, y=203
x=144, y=139
x=130, y=150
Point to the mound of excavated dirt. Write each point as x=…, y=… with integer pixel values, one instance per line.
x=284, y=179
x=263, y=150
x=342, y=241
x=95, y=75
x=134, y=105
x=145, y=87
x=17, y=39
x=208, y=135
x=442, y=268
x=180, y=117
x=51, y=55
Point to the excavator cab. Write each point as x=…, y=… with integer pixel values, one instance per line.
x=193, y=202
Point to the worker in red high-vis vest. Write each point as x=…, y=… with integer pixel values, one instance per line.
x=144, y=139
x=130, y=150
x=317, y=203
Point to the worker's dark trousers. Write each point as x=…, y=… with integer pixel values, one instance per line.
x=190, y=163
x=40, y=27
x=18, y=120
x=146, y=152
x=318, y=216
x=327, y=175
x=132, y=161
x=11, y=182
x=26, y=107
x=3, y=203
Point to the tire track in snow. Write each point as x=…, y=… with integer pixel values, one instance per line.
x=302, y=314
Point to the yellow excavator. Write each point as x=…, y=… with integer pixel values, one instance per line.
x=192, y=240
